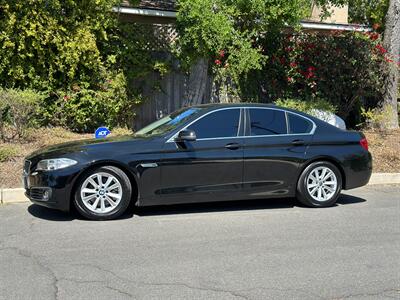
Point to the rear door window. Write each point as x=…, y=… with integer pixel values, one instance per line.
x=298, y=125
x=267, y=122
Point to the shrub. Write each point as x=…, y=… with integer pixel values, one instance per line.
x=7, y=152
x=18, y=111
x=375, y=118
x=83, y=109
x=121, y=131
x=307, y=106
x=345, y=68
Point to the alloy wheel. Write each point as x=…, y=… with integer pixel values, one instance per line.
x=101, y=193
x=322, y=184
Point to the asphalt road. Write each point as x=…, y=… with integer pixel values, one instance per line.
x=269, y=249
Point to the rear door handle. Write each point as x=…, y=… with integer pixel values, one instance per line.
x=298, y=142
x=232, y=146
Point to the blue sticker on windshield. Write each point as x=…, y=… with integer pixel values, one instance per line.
x=101, y=132
x=183, y=115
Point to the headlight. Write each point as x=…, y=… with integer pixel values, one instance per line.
x=55, y=164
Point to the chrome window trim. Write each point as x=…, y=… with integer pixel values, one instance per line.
x=172, y=138
x=244, y=108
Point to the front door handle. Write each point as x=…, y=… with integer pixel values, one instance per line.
x=298, y=142
x=232, y=146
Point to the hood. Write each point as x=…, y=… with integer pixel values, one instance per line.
x=79, y=146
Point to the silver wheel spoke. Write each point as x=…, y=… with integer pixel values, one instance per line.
x=88, y=198
x=89, y=191
x=108, y=182
x=323, y=173
x=94, y=184
x=313, y=178
x=99, y=180
x=114, y=186
x=94, y=206
x=314, y=190
x=323, y=193
x=102, y=204
x=329, y=189
x=109, y=200
x=330, y=182
x=117, y=196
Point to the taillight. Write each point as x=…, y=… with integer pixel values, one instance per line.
x=364, y=143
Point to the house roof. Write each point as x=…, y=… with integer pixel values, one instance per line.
x=166, y=9
x=167, y=5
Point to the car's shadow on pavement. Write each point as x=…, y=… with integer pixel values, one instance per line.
x=244, y=205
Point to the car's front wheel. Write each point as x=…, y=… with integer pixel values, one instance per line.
x=319, y=185
x=103, y=193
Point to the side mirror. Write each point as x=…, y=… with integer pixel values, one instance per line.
x=186, y=135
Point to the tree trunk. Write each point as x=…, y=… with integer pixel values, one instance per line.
x=197, y=83
x=392, y=44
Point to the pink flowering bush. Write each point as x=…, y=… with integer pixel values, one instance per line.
x=344, y=68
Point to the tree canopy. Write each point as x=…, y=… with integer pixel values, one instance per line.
x=228, y=31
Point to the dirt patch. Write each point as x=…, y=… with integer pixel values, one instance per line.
x=11, y=165
x=385, y=149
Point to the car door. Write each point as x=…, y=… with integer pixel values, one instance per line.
x=275, y=145
x=209, y=168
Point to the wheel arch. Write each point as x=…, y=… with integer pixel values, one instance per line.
x=329, y=159
x=132, y=178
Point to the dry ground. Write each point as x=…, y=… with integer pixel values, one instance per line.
x=11, y=168
x=384, y=146
x=385, y=149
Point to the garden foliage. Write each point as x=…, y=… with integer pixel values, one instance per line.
x=344, y=68
x=18, y=109
x=250, y=43
x=79, y=54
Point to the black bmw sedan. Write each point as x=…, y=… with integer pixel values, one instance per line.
x=215, y=152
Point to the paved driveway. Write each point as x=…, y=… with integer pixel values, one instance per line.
x=269, y=249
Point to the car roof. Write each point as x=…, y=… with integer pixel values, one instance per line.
x=221, y=105
x=212, y=106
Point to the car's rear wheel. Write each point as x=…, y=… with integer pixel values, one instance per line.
x=319, y=185
x=103, y=193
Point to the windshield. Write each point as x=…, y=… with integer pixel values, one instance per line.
x=169, y=122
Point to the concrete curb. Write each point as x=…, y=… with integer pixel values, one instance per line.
x=384, y=178
x=18, y=195
x=12, y=196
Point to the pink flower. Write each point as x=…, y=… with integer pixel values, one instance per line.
x=381, y=49
x=221, y=53
x=311, y=69
x=217, y=62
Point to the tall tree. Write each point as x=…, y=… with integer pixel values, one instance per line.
x=392, y=45
x=225, y=34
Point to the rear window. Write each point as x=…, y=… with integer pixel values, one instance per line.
x=298, y=125
x=267, y=122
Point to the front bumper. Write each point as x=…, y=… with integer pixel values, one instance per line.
x=51, y=189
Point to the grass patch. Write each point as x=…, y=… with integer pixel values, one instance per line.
x=7, y=152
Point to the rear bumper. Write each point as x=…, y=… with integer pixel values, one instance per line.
x=358, y=170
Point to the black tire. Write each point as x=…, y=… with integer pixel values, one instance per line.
x=304, y=196
x=119, y=209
